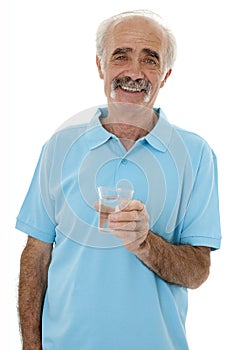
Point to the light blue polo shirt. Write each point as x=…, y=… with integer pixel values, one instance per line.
x=99, y=295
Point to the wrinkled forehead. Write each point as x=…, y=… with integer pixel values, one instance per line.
x=138, y=25
x=135, y=30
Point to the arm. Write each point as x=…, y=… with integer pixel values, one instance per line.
x=34, y=265
x=180, y=264
x=184, y=265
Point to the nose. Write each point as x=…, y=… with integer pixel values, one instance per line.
x=135, y=70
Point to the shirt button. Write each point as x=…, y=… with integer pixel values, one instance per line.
x=124, y=161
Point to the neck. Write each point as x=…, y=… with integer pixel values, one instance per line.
x=129, y=122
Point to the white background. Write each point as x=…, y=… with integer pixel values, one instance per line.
x=49, y=48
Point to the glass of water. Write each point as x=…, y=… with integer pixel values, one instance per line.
x=111, y=199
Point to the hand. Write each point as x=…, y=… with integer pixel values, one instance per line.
x=131, y=224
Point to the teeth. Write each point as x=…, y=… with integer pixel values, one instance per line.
x=130, y=89
x=127, y=84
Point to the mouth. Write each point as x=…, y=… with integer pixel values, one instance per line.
x=132, y=86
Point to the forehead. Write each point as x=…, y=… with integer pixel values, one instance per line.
x=134, y=32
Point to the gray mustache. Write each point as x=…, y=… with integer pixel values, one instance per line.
x=138, y=84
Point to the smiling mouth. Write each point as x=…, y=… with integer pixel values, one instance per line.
x=129, y=85
x=131, y=89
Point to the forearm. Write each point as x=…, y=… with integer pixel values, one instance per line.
x=179, y=264
x=32, y=287
x=184, y=265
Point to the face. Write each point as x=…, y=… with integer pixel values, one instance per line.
x=134, y=62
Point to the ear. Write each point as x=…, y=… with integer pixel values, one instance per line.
x=98, y=63
x=165, y=78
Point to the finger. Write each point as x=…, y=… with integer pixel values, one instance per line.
x=103, y=219
x=123, y=226
x=129, y=237
x=132, y=205
x=125, y=216
x=126, y=236
x=103, y=208
x=96, y=205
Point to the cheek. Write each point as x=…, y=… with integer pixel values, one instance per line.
x=113, y=71
x=156, y=81
x=108, y=79
x=108, y=84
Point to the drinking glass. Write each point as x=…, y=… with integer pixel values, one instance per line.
x=111, y=199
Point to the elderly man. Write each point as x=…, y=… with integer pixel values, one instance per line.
x=81, y=288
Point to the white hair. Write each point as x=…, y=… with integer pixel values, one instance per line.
x=102, y=31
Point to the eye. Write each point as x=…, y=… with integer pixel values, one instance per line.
x=120, y=58
x=150, y=61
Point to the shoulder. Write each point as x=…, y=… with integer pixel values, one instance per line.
x=69, y=132
x=193, y=141
x=61, y=142
x=179, y=138
x=189, y=136
x=191, y=148
x=76, y=126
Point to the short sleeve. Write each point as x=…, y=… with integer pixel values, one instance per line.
x=33, y=217
x=201, y=225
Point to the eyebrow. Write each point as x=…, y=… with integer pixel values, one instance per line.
x=149, y=52
x=152, y=53
x=121, y=50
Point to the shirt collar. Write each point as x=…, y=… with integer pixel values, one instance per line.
x=96, y=135
x=159, y=137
